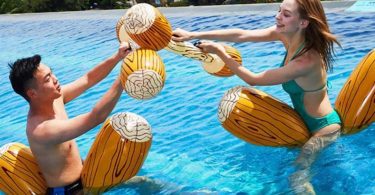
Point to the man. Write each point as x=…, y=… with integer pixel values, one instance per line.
x=49, y=130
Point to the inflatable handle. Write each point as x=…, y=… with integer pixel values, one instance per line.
x=188, y=50
x=211, y=63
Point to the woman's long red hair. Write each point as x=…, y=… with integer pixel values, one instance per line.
x=317, y=34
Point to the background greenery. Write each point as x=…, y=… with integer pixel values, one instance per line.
x=23, y=6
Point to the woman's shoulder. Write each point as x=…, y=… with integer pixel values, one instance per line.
x=307, y=62
x=310, y=58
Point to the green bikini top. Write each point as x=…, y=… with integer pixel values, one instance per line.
x=292, y=87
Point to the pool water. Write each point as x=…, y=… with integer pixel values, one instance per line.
x=191, y=152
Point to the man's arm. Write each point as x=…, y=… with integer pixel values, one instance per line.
x=57, y=131
x=98, y=73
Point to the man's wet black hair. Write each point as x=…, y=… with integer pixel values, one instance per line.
x=22, y=73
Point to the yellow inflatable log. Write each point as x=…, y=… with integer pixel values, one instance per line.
x=356, y=100
x=258, y=118
x=120, y=30
x=147, y=26
x=143, y=74
x=19, y=173
x=123, y=36
x=211, y=63
x=117, y=153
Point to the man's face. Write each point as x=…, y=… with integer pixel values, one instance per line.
x=46, y=84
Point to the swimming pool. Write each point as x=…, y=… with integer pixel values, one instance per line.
x=191, y=152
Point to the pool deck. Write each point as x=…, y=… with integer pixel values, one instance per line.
x=238, y=9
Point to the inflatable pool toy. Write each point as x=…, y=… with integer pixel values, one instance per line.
x=143, y=71
x=356, y=100
x=147, y=26
x=143, y=74
x=19, y=173
x=258, y=118
x=147, y=30
x=211, y=63
x=117, y=154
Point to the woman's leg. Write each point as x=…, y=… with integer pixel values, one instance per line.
x=312, y=147
x=144, y=185
x=300, y=179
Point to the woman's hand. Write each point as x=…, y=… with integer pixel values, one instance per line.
x=181, y=35
x=210, y=47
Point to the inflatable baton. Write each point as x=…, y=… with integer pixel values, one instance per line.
x=143, y=71
x=356, y=100
x=211, y=62
x=258, y=118
x=117, y=153
x=143, y=74
x=19, y=173
x=147, y=26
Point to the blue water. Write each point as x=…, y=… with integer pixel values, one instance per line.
x=191, y=152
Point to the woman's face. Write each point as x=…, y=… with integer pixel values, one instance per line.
x=288, y=19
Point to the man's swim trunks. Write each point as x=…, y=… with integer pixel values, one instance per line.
x=71, y=189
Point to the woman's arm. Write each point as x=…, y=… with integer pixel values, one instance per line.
x=296, y=68
x=230, y=35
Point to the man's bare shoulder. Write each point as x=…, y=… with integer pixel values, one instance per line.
x=38, y=123
x=36, y=128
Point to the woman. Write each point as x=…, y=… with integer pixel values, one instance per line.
x=302, y=27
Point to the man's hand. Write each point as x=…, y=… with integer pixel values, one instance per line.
x=123, y=50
